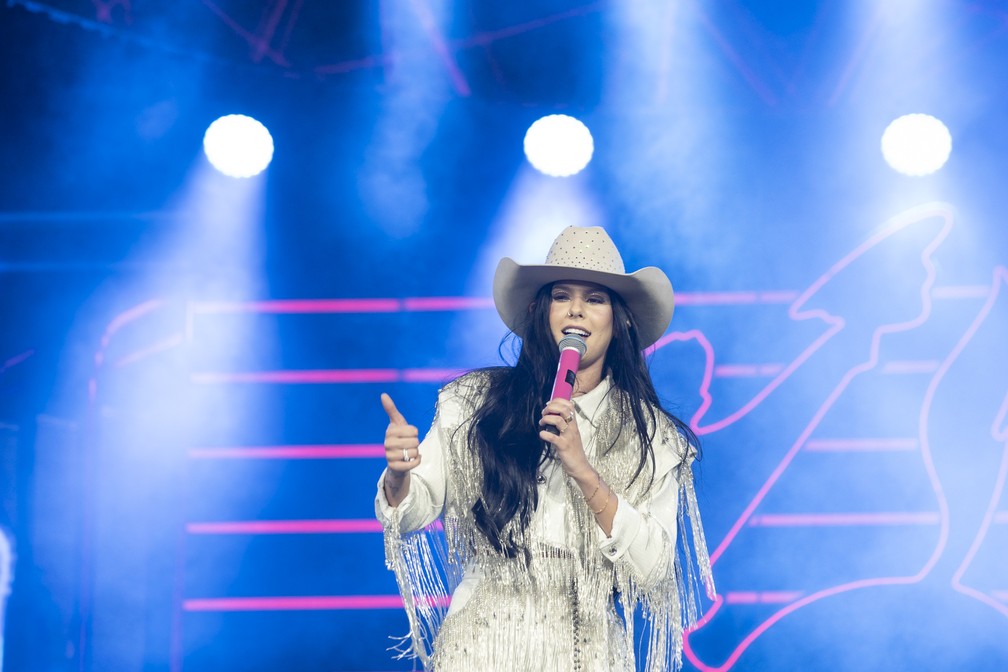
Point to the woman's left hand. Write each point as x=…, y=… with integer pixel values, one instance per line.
x=559, y=414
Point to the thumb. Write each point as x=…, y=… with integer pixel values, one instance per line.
x=394, y=416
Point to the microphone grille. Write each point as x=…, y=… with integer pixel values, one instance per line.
x=574, y=341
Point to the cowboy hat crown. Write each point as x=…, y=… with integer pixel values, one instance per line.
x=586, y=254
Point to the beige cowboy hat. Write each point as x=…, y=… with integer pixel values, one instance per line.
x=586, y=254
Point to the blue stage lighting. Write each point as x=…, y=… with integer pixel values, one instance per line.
x=916, y=144
x=238, y=146
x=558, y=145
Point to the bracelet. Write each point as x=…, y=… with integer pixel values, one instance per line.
x=604, y=506
x=592, y=496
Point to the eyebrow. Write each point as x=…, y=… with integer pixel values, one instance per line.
x=570, y=288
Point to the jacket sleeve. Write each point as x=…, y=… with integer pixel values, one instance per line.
x=644, y=537
x=425, y=500
x=659, y=554
x=410, y=550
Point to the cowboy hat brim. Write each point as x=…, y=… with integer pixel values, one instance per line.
x=647, y=293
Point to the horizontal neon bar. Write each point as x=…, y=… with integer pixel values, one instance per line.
x=322, y=452
x=316, y=306
x=855, y=445
x=961, y=292
x=763, y=597
x=436, y=303
x=747, y=370
x=1001, y=595
x=431, y=375
x=327, y=526
x=912, y=366
x=306, y=376
x=302, y=306
x=716, y=298
x=782, y=296
x=285, y=527
x=294, y=603
x=449, y=303
x=308, y=603
x=734, y=298
x=323, y=376
x=843, y=519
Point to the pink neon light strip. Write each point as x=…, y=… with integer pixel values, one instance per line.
x=437, y=303
x=302, y=306
x=923, y=366
x=999, y=432
x=431, y=375
x=856, y=445
x=323, y=452
x=747, y=370
x=355, y=64
x=911, y=216
x=307, y=376
x=430, y=24
x=286, y=527
x=708, y=374
x=253, y=40
x=843, y=519
x=320, y=603
x=1001, y=595
x=733, y=298
x=717, y=298
x=15, y=360
x=785, y=296
x=741, y=63
x=314, y=306
x=961, y=292
x=798, y=311
x=763, y=597
x=450, y=303
x=329, y=526
x=324, y=376
x=160, y=346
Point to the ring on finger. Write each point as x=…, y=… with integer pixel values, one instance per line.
x=570, y=416
x=405, y=455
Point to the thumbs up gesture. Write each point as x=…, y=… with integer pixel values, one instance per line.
x=402, y=444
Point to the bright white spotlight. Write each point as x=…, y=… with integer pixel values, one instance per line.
x=558, y=145
x=238, y=146
x=916, y=144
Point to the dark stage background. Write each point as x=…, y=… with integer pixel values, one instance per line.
x=190, y=364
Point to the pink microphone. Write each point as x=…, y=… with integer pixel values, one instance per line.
x=572, y=347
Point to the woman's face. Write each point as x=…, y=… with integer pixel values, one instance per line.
x=583, y=308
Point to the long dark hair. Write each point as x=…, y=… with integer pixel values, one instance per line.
x=505, y=429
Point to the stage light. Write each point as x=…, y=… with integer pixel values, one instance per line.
x=558, y=145
x=916, y=144
x=238, y=146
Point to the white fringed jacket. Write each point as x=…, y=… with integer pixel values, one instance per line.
x=576, y=572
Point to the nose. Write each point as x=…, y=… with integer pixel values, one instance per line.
x=576, y=308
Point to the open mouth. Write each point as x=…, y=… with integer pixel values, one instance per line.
x=575, y=330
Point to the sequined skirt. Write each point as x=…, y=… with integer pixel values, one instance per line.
x=506, y=627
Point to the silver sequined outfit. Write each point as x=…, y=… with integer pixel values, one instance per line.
x=560, y=611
